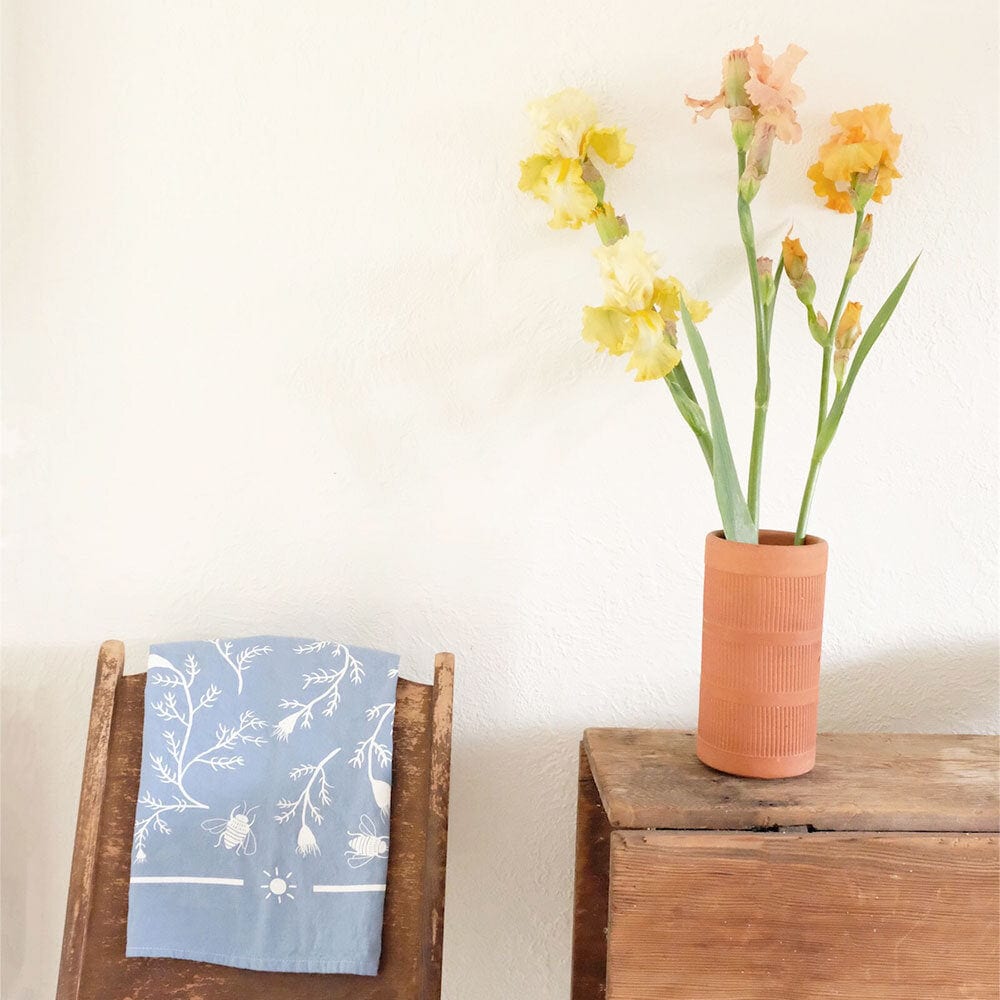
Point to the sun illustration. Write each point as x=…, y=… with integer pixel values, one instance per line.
x=278, y=885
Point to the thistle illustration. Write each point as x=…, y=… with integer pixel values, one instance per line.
x=305, y=806
x=330, y=680
x=178, y=705
x=372, y=752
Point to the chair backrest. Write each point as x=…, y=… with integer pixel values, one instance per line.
x=94, y=966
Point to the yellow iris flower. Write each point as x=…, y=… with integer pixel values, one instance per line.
x=640, y=311
x=568, y=133
x=862, y=153
x=559, y=183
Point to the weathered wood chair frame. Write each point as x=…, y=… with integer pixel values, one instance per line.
x=93, y=964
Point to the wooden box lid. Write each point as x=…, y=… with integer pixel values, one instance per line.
x=651, y=779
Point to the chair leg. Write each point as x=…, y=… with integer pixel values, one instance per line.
x=437, y=826
x=110, y=664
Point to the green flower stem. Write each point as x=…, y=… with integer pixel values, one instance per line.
x=762, y=392
x=779, y=270
x=828, y=428
x=824, y=384
x=807, y=496
x=824, y=394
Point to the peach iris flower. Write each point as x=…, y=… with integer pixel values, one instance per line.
x=770, y=92
x=862, y=152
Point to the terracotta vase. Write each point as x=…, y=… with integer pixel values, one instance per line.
x=760, y=654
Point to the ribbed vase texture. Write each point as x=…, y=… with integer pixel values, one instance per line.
x=760, y=655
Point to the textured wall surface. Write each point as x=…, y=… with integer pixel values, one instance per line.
x=286, y=350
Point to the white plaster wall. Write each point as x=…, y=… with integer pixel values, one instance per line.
x=285, y=349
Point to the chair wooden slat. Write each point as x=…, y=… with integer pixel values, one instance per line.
x=439, y=778
x=94, y=966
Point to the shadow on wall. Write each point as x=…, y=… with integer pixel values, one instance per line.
x=510, y=863
x=924, y=689
x=46, y=710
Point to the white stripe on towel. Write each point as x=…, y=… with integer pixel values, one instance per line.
x=186, y=879
x=349, y=888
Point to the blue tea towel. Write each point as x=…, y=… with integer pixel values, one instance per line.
x=262, y=824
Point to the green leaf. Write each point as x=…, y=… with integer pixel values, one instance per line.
x=683, y=392
x=736, y=520
x=680, y=374
x=867, y=342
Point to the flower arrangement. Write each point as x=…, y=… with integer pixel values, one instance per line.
x=642, y=309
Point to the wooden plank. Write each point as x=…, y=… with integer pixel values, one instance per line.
x=651, y=779
x=590, y=896
x=410, y=965
x=740, y=916
x=110, y=664
x=439, y=777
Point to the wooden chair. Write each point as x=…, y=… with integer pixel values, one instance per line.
x=93, y=964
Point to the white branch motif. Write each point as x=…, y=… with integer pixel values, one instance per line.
x=173, y=766
x=242, y=661
x=155, y=819
x=372, y=751
x=304, y=806
x=314, y=647
x=330, y=680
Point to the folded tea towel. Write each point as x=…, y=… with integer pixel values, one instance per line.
x=268, y=762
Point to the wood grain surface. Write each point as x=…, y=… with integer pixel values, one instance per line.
x=436, y=834
x=590, y=896
x=651, y=779
x=110, y=664
x=94, y=966
x=815, y=916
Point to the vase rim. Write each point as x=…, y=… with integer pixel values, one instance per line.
x=774, y=555
x=767, y=537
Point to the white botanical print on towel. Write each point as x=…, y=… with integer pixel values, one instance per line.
x=178, y=705
x=241, y=662
x=330, y=680
x=376, y=755
x=366, y=844
x=305, y=805
x=236, y=832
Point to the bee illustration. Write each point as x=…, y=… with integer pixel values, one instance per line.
x=365, y=845
x=235, y=832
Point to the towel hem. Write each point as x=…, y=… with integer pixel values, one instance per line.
x=345, y=966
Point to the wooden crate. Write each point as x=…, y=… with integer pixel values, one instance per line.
x=875, y=877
